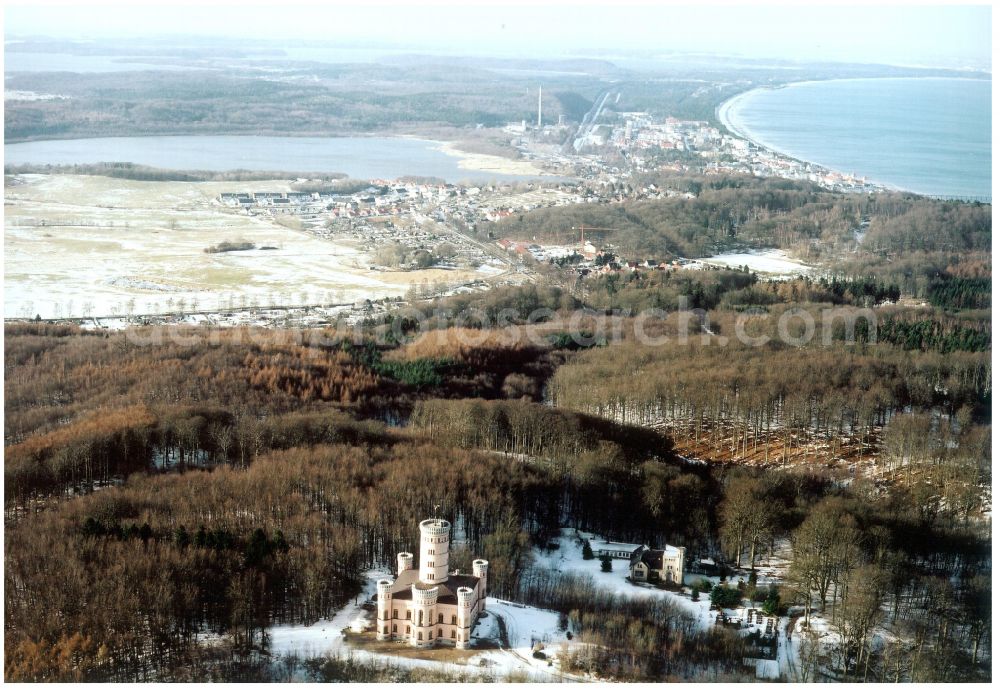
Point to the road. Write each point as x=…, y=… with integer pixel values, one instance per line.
x=488, y=248
x=589, y=120
x=507, y=612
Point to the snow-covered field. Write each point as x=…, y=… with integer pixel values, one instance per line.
x=15, y=95
x=491, y=268
x=78, y=245
x=765, y=261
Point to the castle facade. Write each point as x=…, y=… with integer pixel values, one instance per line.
x=426, y=605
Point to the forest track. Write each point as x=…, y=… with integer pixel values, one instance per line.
x=508, y=631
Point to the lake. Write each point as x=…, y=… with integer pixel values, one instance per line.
x=365, y=158
x=931, y=136
x=18, y=61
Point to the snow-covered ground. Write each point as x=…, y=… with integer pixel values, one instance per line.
x=88, y=245
x=326, y=635
x=524, y=625
x=790, y=648
x=287, y=317
x=764, y=261
x=491, y=268
x=772, y=567
x=568, y=558
x=16, y=95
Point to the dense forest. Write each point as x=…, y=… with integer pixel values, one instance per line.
x=395, y=98
x=251, y=499
x=213, y=487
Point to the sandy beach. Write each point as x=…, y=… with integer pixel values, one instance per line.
x=725, y=113
x=490, y=164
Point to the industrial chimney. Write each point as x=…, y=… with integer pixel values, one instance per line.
x=539, y=107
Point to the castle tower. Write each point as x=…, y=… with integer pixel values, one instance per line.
x=479, y=570
x=404, y=562
x=465, y=597
x=434, y=543
x=383, y=617
x=423, y=626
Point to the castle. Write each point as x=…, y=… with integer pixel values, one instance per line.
x=427, y=605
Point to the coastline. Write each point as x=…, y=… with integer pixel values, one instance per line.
x=724, y=110
x=725, y=114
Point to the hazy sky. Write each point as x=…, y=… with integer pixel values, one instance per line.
x=945, y=35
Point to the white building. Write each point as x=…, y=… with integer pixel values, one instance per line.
x=615, y=550
x=426, y=605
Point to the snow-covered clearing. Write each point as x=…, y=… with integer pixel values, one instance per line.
x=15, y=95
x=763, y=261
x=525, y=627
x=326, y=635
x=491, y=268
x=568, y=558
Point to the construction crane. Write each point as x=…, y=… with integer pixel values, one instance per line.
x=582, y=229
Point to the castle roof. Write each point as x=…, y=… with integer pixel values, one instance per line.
x=446, y=589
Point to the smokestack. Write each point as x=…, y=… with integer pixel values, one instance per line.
x=539, y=107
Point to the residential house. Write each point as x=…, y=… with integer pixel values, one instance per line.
x=664, y=565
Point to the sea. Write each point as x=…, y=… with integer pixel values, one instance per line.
x=926, y=135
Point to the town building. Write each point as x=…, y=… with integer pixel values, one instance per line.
x=426, y=605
